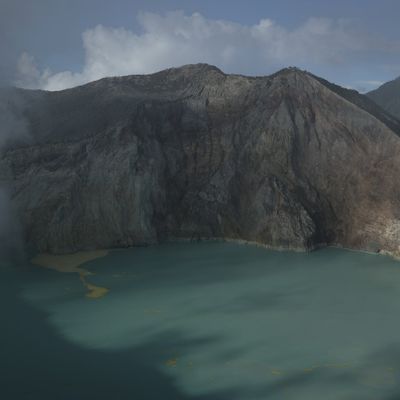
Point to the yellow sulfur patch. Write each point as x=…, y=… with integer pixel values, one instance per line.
x=172, y=362
x=95, y=292
x=70, y=263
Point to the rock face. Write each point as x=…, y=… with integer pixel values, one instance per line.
x=388, y=97
x=287, y=160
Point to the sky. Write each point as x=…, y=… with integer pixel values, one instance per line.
x=56, y=44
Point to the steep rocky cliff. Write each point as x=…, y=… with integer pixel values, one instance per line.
x=287, y=160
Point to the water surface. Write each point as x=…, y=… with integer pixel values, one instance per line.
x=213, y=321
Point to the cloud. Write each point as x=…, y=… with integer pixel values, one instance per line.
x=175, y=39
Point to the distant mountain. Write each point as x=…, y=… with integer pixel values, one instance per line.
x=288, y=160
x=388, y=97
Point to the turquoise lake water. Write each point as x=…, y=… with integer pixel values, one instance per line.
x=210, y=321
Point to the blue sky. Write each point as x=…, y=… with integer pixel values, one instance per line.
x=54, y=44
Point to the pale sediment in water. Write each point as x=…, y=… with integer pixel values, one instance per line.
x=70, y=263
x=216, y=318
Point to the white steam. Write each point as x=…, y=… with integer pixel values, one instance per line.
x=13, y=127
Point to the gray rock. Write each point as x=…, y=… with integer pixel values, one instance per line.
x=288, y=161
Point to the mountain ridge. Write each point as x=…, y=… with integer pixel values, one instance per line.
x=387, y=96
x=200, y=70
x=285, y=161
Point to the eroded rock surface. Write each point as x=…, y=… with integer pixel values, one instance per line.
x=287, y=160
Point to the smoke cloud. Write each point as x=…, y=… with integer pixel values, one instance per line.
x=11, y=242
x=13, y=128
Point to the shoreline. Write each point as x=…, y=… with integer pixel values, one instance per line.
x=71, y=262
x=310, y=249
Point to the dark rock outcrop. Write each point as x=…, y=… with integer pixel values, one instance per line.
x=287, y=160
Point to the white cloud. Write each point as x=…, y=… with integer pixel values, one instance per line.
x=28, y=74
x=175, y=39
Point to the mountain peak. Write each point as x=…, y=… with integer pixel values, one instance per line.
x=192, y=69
x=291, y=70
x=197, y=67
